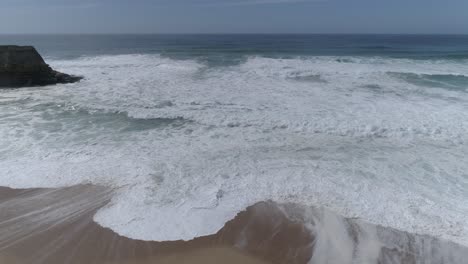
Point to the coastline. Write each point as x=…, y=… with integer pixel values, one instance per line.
x=56, y=226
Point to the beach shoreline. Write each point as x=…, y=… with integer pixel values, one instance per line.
x=56, y=226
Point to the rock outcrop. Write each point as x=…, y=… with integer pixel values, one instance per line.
x=22, y=66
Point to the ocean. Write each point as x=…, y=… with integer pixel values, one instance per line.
x=192, y=129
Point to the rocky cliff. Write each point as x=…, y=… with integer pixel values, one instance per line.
x=22, y=66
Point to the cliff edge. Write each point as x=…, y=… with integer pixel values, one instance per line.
x=22, y=66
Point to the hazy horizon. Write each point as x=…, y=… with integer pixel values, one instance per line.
x=233, y=33
x=233, y=17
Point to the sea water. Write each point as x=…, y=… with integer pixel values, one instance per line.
x=191, y=129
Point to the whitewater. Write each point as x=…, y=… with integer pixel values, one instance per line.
x=187, y=145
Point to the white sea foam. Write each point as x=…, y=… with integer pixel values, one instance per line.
x=189, y=145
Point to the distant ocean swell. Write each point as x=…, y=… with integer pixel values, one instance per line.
x=376, y=138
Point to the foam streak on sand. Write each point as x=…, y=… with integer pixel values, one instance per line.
x=55, y=226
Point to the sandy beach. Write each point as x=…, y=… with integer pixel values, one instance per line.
x=56, y=226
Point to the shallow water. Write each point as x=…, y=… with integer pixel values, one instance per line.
x=191, y=130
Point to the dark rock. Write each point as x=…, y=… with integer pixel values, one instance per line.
x=22, y=66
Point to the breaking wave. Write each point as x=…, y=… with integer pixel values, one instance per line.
x=184, y=141
x=444, y=81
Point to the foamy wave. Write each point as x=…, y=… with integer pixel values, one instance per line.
x=185, y=142
x=331, y=97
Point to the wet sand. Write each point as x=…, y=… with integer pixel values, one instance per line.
x=206, y=255
x=55, y=226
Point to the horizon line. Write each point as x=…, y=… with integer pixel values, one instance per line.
x=234, y=33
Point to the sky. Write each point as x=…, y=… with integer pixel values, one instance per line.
x=234, y=16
